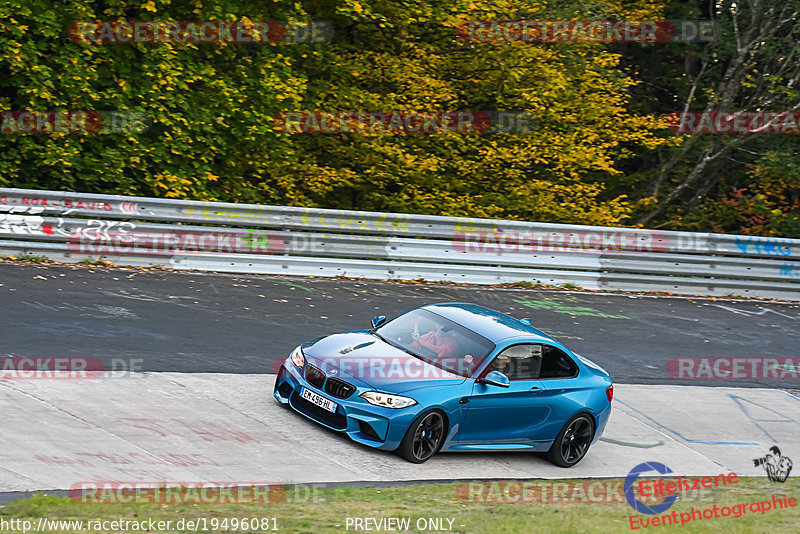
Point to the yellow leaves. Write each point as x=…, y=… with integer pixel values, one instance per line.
x=171, y=185
x=213, y=108
x=648, y=202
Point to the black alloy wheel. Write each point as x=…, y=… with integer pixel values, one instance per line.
x=424, y=437
x=572, y=442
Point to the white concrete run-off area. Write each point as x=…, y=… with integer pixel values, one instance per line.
x=223, y=428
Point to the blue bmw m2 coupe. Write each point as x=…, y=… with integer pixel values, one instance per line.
x=450, y=377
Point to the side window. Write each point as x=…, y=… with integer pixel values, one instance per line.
x=556, y=364
x=519, y=362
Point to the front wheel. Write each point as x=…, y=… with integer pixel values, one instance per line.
x=572, y=442
x=424, y=437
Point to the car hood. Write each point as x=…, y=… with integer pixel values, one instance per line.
x=366, y=361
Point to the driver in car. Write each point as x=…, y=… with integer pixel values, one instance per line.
x=502, y=364
x=437, y=340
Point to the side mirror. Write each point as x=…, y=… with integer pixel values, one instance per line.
x=526, y=321
x=496, y=378
x=378, y=320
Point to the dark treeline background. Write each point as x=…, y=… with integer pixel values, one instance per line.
x=601, y=152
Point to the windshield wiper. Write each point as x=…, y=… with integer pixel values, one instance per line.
x=384, y=340
x=395, y=345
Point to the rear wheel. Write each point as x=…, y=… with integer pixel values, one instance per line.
x=572, y=443
x=424, y=437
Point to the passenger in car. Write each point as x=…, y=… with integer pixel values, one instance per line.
x=437, y=340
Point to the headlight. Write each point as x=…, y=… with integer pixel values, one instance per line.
x=297, y=357
x=386, y=400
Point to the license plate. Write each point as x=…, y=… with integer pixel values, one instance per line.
x=319, y=400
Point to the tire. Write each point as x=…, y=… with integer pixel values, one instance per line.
x=418, y=448
x=572, y=443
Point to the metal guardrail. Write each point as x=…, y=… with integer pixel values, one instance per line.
x=182, y=234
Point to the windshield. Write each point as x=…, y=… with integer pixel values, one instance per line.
x=438, y=341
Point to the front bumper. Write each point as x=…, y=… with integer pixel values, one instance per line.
x=375, y=426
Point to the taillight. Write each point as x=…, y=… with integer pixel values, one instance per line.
x=610, y=393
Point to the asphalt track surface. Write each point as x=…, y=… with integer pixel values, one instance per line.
x=203, y=346
x=164, y=321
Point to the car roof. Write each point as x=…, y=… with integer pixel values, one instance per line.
x=491, y=324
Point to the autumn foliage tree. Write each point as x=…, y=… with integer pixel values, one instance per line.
x=751, y=65
x=212, y=106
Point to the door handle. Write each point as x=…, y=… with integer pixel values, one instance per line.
x=535, y=389
x=464, y=400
